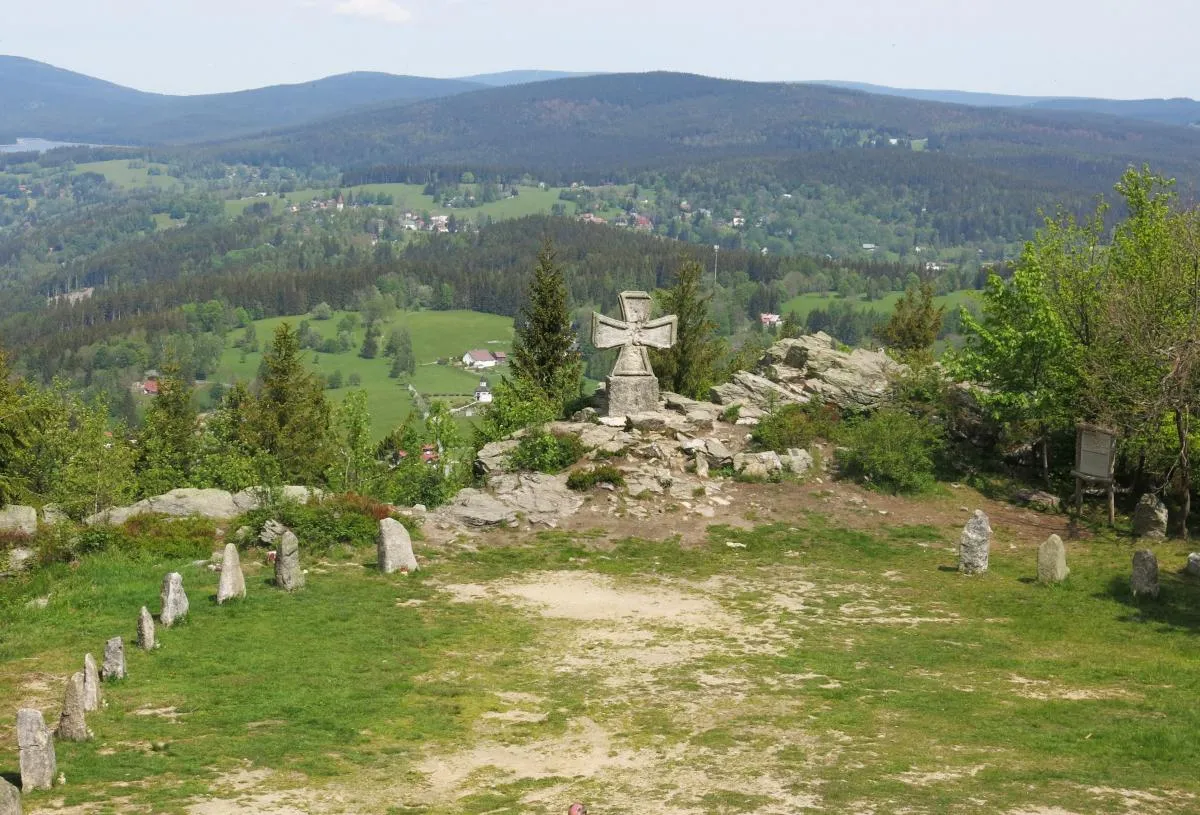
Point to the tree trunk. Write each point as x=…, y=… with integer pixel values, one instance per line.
x=1185, y=468
x=1046, y=456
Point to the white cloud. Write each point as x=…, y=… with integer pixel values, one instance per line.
x=386, y=11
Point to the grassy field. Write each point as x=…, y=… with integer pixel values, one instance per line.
x=806, y=667
x=805, y=303
x=120, y=173
x=435, y=335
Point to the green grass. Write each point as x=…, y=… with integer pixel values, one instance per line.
x=120, y=173
x=435, y=335
x=847, y=668
x=804, y=303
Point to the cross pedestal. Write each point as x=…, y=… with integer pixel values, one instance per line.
x=632, y=386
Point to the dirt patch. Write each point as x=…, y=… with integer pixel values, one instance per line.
x=168, y=713
x=1043, y=690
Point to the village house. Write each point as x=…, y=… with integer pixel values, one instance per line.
x=770, y=320
x=479, y=359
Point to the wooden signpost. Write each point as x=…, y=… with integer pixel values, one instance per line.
x=1095, y=462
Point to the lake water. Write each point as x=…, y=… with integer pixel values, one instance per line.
x=40, y=145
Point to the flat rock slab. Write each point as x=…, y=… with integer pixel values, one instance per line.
x=394, y=547
x=39, y=765
x=174, y=600
x=233, y=582
x=16, y=518
x=1052, y=561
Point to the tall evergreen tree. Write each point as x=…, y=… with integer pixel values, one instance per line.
x=290, y=417
x=914, y=325
x=14, y=431
x=545, y=352
x=167, y=442
x=689, y=367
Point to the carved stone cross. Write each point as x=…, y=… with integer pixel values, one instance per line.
x=632, y=387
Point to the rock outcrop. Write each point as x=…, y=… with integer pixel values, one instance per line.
x=16, y=518
x=219, y=505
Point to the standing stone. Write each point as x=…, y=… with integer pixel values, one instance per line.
x=145, y=634
x=1052, y=561
x=114, y=660
x=91, y=684
x=1145, y=574
x=701, y=464
x=271, y=532
x=1150, y=518
x=394, y=547
x=72, y=724
x=287, y=563
x=10, y=799
x=233, y=582
x=36, y=747
x=974, y=543
x=1193, y=564
x=174, y=599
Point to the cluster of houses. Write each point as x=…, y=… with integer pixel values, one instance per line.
x=631, y=220
x=413, y=222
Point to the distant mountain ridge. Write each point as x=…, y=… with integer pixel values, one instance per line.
x=1177, y=111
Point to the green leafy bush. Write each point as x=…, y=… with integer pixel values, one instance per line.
x=796, y=426
x=582, y=480
x=731, y=414
x=548, y=452
x=149, y=536
x=890, y=450
x=320, y=527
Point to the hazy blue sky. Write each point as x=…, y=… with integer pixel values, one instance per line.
x=1112, y=48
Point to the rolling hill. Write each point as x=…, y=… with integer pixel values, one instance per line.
x=1180, y=111
x=40, y=100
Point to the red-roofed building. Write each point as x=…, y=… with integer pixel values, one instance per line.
x=479, y=359
x=150, y=387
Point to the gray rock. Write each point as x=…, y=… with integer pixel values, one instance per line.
x=114, y=660
x=701, y=464
x=1038, y=499
x=15, y=518
x=974, y=544
x=233, y=582
x=1052, y=561
x=10, y=799
x=72, y=724
x=145, y=630
x=1144, y=580
x=1150, y=518
x=182, y=503
x=473, y=507
x=540, y=498
x=39, y=765
x=394, y=547
x=288, y=575
x=494, y=458
x=53, y=514
x=1193, y=564
x=758, y=465
x=271, y=532
x=174, y=600
x=19, y=558
x=92, y=696
x=628, y=395
x=798, y=461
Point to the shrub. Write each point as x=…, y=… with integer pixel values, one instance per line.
x=891, y=450
x=731, y=414
x=149, y=536
x=548, y=452
x=582, y=480
x=320, y=527
x=796, y=426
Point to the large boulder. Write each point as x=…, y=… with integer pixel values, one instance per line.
x=493, y=458
x=16, y=518
x=218, y=505
x=394, y=548
x=1150, y=518
x=472, y=507
x=538, y=497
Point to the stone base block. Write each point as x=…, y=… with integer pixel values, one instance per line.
x=628, y=395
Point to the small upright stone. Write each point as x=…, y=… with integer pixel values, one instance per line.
x=1052, y=561
x=974, y=543
x=10, y=799
x=72, y=724
x=174, y=600
x=394, y=547
x=288, y=575
x=145, y=631
x=1150, y=518
x=36, y=746
x=1193, y=564
x=701, y=464
x=1145, y=574
x=114, y=660
x=91, y=684
x=271, y=532
x=233, y=582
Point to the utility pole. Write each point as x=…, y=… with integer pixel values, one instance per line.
x=716, y=255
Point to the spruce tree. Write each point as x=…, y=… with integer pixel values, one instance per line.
x=689, y=367
x=168, y=438
x=545, y=353
x=914, y=325
x=290, y=417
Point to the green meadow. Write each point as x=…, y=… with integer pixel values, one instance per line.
x=804, y=303
x=436, y=335
x=126, y=177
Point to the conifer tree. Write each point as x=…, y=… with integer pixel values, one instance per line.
x=914, y=325
x=14, y=431
x=168, y=439
x=290, y=417
x=545, y=352
x=688, y=368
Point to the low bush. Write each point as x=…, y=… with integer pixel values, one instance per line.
x=796, y=426
x=548, y=452
x=890, y=450
x=149, y=536
x=582, y=480
x=731, y=414
x=320, y=527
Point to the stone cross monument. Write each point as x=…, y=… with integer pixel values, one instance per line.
x=632, y=386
